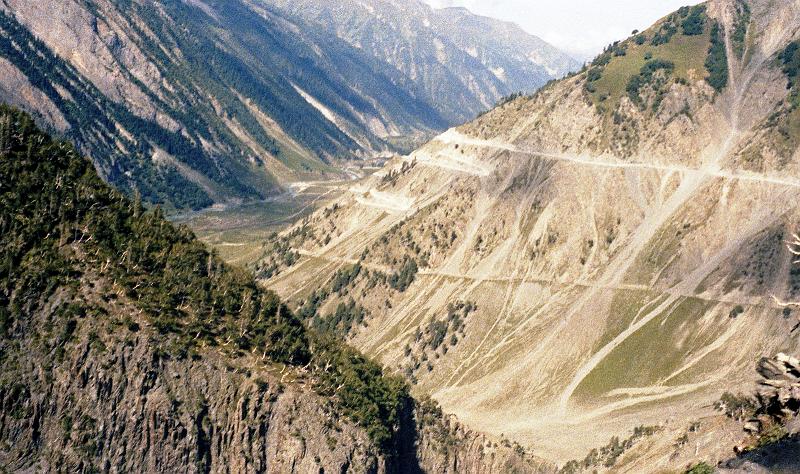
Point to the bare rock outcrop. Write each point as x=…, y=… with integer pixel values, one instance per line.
x=779, y=391
x=125, y=406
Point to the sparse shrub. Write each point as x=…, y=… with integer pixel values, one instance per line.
x=701, y=468
x=738, y=407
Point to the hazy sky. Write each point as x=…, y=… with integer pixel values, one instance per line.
x=580, y=27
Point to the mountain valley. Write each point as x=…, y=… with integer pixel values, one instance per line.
x=379, y=237
x=199, y=103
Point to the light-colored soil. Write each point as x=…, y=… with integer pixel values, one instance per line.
x=604, y=283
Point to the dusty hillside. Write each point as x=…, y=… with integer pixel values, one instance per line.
x=594, y=258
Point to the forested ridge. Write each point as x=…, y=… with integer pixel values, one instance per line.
x=62, y=225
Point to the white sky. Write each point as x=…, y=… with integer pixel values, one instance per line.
x=579, y=27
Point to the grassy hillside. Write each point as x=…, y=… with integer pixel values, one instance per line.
x=682, y=39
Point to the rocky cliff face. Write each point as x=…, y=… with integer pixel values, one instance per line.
x=115, y=401
x=591, y=259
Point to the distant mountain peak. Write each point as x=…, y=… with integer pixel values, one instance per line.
x=455, y=60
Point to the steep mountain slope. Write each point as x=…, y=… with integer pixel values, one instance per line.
x=596, y=257
x=199, y=102
x=460, y=62
x=125, y=346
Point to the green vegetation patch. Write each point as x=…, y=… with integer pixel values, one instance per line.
x=349, y=314
x=403, y=278
x=649, y=76
x=690, y=20
x=658, y=253
x=701, y=468
x=287, y=155
x=346, y=316
x=717, y=59
x=790, y=61
x=625, y=305
x=653, y=352
x=665, y=30
x=695, y=22
x=362, y=391
x=610, y=73
x=740, y=28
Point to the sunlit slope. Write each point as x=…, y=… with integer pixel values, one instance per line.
x=617, y=282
